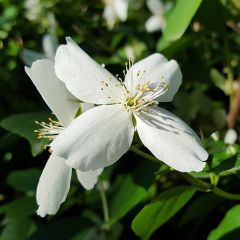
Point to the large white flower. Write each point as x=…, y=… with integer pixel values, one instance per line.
x=100, y=136
x=115, y=9
x=157, y=21
x=55, y=180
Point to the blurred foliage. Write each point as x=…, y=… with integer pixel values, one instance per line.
x=146, y=200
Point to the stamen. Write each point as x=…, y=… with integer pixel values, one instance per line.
x=144, y=94
x=49, y=130
x=139, y=94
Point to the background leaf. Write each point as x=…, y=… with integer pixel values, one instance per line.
x=20, y=230
x=229, y=227
x=180, y=18
x=160, y=210
x=24, y=180
x=24, y=125
x=125, y=198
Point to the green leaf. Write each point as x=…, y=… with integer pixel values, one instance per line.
x=229, y=227
x=20, y=230
x=127, y=196
x=24, y=180
x=24, y=125
x=18, y=209
x=227, y=160
x=218, y=79
x=160, y=210
x=180, y=18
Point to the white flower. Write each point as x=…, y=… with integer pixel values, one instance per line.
x=231, y=136
x=55, y=180
x=157, y=21
x=100, y=136
x=115, y=9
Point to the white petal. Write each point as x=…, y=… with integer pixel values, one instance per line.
x=49, y=45
x=53, y=186
x=171, y=140
x=121, y=9
x=154, y=23
x=110, y=15
x=155, y=6
x=155, y=68
x=89, y=179
x=231, y=136
x=96, y=139
x=86, y=106
x=83, y=76
x=52, y=90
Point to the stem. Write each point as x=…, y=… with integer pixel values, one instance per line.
x=224, y=194
x=104, y=206
x=143, y=154
x=201, y=185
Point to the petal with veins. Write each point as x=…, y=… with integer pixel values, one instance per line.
x=85, y=78
x=52, y=90
x=89, y=179
x=96, y=139
x=155, y=69
x=171, y=140
x=53, y=185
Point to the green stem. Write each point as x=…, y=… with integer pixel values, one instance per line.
x=143, y=154
x=104, y=206
x=201, y=185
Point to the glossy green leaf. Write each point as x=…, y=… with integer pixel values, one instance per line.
x=24, y=125
x=180, y=18
x=160, y=210
x=229, y=227
x=127, y=196
x=24, y=180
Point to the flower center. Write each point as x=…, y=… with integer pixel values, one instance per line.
x=144, y=95
x=138, y=93
x=49, y=130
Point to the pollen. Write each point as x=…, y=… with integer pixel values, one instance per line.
x=49, y=130
x=144, y=95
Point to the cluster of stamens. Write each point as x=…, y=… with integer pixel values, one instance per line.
x=49, y=130
x=141, y=95
x=144, y=96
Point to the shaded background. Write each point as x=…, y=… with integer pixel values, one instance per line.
x=206, y=43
